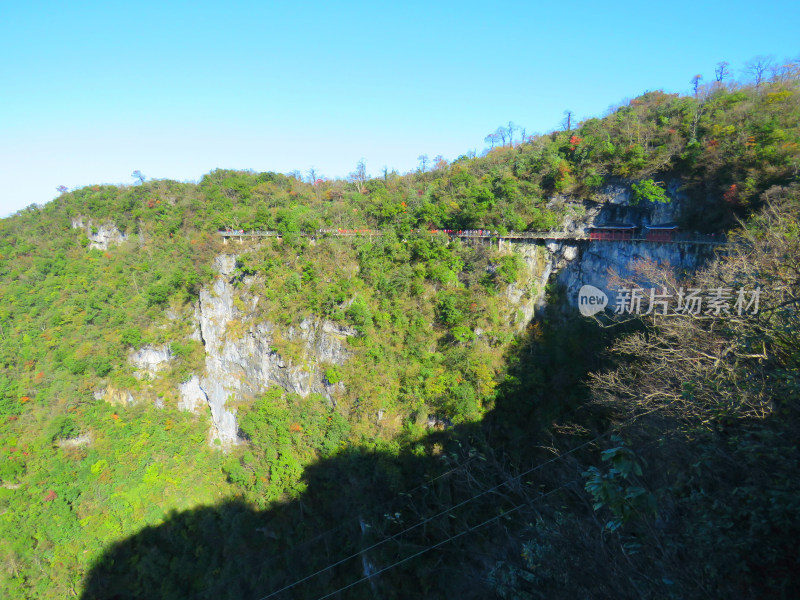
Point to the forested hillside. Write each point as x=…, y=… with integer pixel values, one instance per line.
x=656, y=458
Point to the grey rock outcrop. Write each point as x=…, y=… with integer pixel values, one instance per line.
x=602, y=264
x=613, y=204
x=192, y=396
x=572, y=264
x=149, y=360
x=527, y=294
x=85, y=439
x=101, y=236
x=115, y=396
x=242, y=357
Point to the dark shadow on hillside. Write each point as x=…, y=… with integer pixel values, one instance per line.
x=495, y=509
x=356, y=499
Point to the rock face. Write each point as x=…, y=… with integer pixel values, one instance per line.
x=115, y=396
x=572, y=264
x=101, y=236
x=192, y=396
x=600, y=263
x=84, y=439
x=615, y=206
x=149, y=360
x=242, y=365
x=527, y=295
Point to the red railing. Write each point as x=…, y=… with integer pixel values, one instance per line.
x=613, y=235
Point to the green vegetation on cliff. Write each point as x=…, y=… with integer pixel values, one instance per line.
x=91, y=483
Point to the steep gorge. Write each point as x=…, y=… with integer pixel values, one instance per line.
x=244, y=353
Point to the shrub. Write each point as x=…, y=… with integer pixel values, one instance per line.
x=649, y=191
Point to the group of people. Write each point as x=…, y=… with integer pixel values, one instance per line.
x=351, y=231
x=467, y=232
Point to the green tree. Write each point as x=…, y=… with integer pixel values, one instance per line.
x=649, y=191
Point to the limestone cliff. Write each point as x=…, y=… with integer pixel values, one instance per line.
x=613, y=204
x=242, y=359
x=572, y=264
x=527, y=295
x=600, y=263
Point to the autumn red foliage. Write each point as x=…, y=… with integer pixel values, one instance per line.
x=730, y=195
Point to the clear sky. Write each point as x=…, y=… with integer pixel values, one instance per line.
x=91, y=91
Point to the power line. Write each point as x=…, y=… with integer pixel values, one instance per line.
x=294, y=549
x=473, y=528
x=437, y=515
x=388, y=503
x=443, y=542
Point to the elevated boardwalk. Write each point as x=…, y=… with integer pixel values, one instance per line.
x=471, y=234
x=481, y=235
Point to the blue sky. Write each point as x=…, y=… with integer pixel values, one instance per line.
x=91, y=91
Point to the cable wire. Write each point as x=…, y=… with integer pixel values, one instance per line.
x=388, y=503
x=437, y=515
x=443, y=542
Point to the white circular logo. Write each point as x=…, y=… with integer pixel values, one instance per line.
x=591, y=300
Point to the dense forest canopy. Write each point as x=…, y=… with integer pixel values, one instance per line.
x=437, y=333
